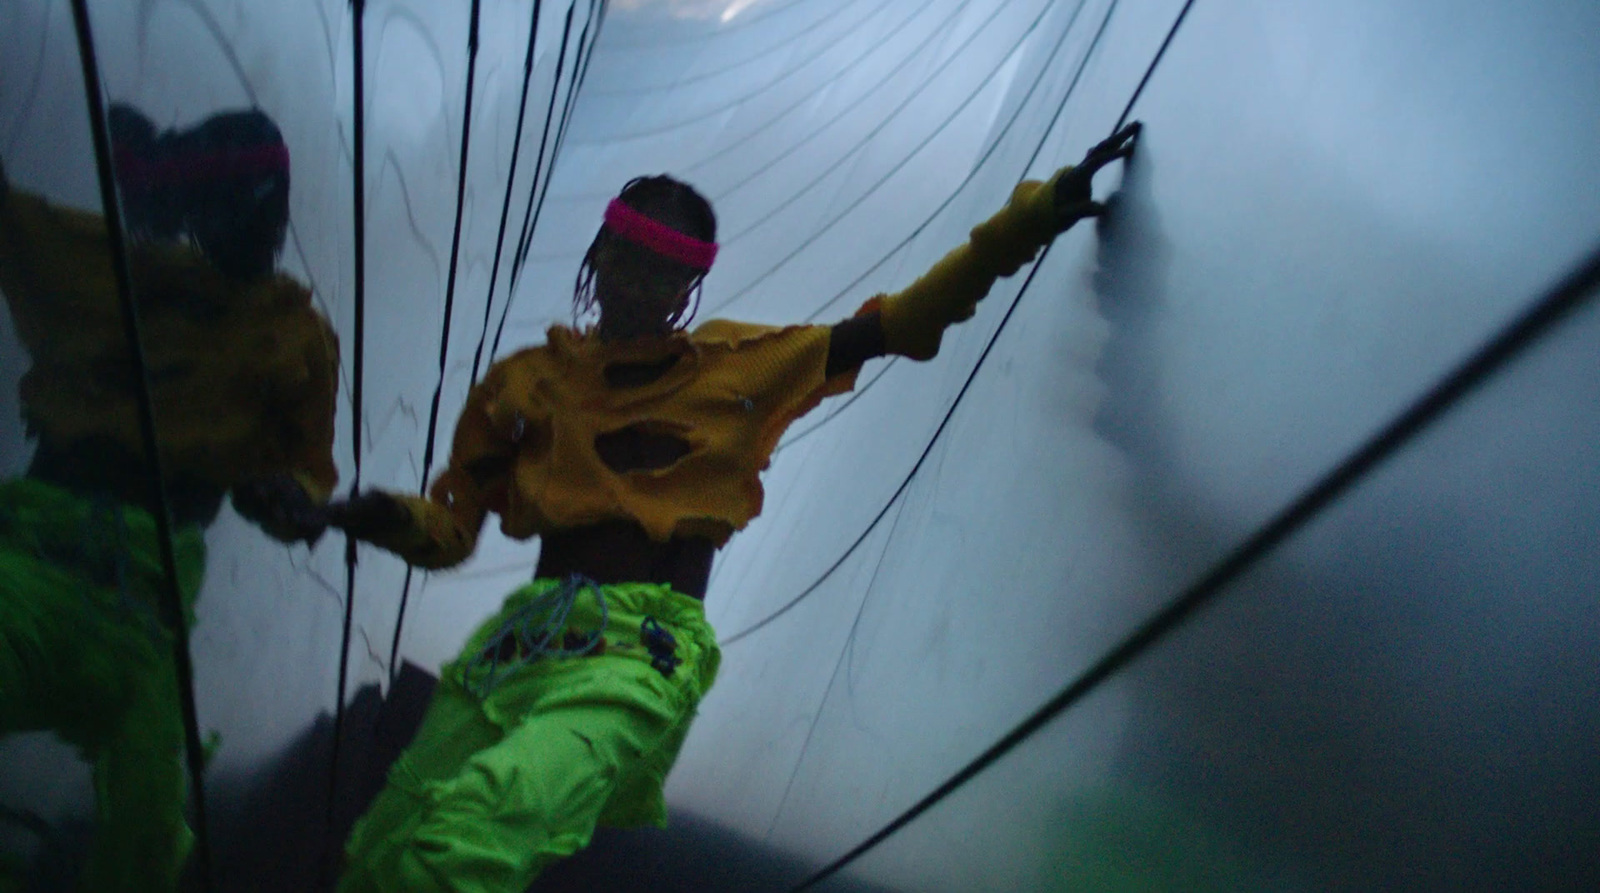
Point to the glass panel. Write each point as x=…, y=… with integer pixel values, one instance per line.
x=93, y=768
x=235, y=137
x=244, y=366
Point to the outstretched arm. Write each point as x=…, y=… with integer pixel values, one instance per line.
x=287, y=503
x=441, y=529
x=911, y=322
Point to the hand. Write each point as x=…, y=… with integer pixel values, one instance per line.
x=280, y=506
x=1074, y=191
x=369, y=514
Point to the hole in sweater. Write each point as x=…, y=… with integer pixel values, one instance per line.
x=645, y=446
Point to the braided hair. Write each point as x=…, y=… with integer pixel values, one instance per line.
x=671, y=202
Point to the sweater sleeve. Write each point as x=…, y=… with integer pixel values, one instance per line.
x=441, y=529
x=56, y=275
x=312, y=420
x=915, y=318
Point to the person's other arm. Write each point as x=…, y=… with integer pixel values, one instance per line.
x=440, y=529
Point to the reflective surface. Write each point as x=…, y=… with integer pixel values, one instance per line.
x=1402, y=696
x=1329, y=208
x=98, y=571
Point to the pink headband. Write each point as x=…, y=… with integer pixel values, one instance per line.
x=658, y=237
x=225, y=163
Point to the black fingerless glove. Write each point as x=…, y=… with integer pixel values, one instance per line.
x=373, y=514
x=279, y=505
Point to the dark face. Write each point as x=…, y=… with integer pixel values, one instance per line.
x=638, y=290
x=241, y=227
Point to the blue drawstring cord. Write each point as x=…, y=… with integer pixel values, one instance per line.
x=121, y=551
x=530, y=631
x=662, y=646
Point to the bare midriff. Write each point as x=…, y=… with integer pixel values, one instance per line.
x=621, y=552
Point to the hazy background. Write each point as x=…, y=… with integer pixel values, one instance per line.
x=1331, y=206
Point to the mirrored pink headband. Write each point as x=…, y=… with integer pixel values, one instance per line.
x=658, y=237
x=136, y=171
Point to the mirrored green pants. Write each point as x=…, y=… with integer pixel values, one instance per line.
x=82, y=654
x=495, y=787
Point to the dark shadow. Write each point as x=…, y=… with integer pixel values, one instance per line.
x=1130, y=281
x=270, y=828
x=1347, y=724
x=691, y=856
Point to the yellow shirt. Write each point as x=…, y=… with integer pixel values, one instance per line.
x=243, y=375
x=525, y=446
x=536, y=415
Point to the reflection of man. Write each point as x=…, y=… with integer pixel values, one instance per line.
x=242, y=373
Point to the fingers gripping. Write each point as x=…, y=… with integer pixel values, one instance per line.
x=1074, y=191
x=1118, y=145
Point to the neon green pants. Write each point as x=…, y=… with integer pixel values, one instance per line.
x=494, y=788
x=82, y=654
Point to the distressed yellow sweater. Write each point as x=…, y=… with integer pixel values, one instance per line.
x=243, y=376
x=535, y=418
x=525, y=446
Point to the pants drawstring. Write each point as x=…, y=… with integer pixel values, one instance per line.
x=531, y=633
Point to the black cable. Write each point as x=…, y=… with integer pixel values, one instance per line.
x=720, y=109
x=533, y=191
x=358, y=185
x=810, y=94
x=971, y=376
x=869, y=191
x=978, y=166
x=449, y=309
x=405, y=592
x=171, y=597
x=1118, y=656
x=580, y=67
x=698, y=36
x=488, y=304
x=866, y=93
x=455, y=248
x=1515, y=339
x=505, y=206
x=839, y=664
x=530, y=224
x=789, y=37
x=1151, y=69
x=864, y=141
x=860, y=391
x=580, y=71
